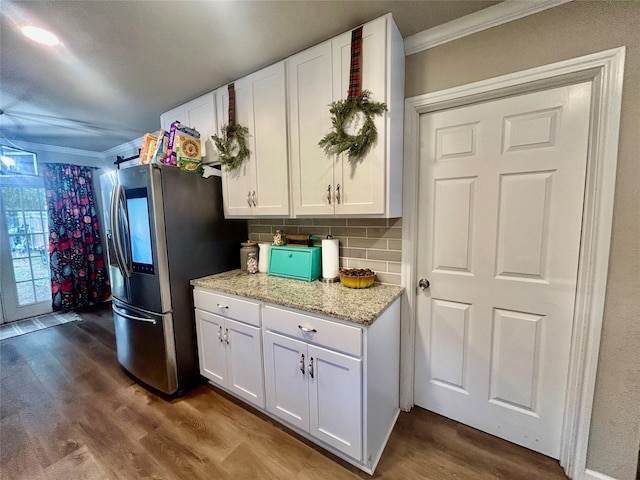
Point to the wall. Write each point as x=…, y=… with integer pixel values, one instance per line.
x=567, y=31
x=364, y=243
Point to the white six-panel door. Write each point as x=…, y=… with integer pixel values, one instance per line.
x=501, y=197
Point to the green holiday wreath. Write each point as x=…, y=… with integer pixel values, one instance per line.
x=357, y=146
x=232, y=145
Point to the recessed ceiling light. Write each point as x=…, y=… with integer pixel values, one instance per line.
x=40, y=35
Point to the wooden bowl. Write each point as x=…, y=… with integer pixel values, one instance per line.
x=357, y=281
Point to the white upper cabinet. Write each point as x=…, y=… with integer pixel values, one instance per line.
x=310, y=84
x=369, y=186
x=199, y=113
x=260, y=185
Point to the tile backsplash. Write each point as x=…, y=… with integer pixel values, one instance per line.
x=374, y=243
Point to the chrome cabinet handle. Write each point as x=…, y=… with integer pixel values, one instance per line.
x=338, y=194
x=302, y=364
x=249, y=198
x=307, y=329
x=221, y=306
x=220, y=333
x=311, y=367
x=226, y=335
x=329, y=194
x=253, y=198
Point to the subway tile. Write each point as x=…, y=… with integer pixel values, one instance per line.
x=394, y=244
x=260, y=229
x=393, y=267
x=366, y=222
x=254, y=237
x=387, y=255
x=253, y=221
x=380, y=243
x=348, y=232
x=388, y=278
x=318, y=231
x=372, y=264
x=298, y=221
x=395, y=222
x=373, y=232
x=330, y=222
x=353, y=252
x=271, y=221
x=266, y=237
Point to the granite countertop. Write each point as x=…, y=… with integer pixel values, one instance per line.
x=361, y=306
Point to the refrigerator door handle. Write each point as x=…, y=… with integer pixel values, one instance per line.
x=132, y=317
x=113, y=225
x=117, y=201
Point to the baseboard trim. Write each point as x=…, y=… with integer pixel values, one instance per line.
x=593, y=475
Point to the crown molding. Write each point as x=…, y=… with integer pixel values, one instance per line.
x=124, y=149
x=499, y=14
x=41, y=147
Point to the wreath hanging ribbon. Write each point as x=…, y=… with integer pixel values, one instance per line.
x=338, y=140
x=232, y=143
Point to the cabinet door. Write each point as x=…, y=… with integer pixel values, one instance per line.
x=362, y=181
x=285, y=361
x=335, y=400
x=237, y=185
x=211, y=347
x=177, y=114
x=244, y=362
x=200, y=114
x=269, y=140
x=310, y=93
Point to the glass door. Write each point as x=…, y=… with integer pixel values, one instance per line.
x=25, y=284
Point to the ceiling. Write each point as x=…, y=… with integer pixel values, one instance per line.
x=122, y=63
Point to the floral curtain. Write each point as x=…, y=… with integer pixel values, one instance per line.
x=78, y=269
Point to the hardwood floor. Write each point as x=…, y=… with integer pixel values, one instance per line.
x=68, y=411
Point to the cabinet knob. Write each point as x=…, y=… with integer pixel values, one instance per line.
x=423, y=283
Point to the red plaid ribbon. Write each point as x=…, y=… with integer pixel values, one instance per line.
x=355, y=73
x=232, y=104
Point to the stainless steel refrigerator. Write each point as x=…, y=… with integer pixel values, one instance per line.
x=164, y=228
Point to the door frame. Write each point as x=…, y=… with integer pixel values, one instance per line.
x=605, y=71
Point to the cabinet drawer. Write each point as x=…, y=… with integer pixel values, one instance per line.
x=333, y=335
x=232, y=307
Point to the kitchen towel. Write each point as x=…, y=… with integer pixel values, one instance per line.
x=330, y=252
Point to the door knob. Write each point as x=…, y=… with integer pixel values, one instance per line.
x=423, y=283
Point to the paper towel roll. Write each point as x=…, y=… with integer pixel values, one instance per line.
x=330, y=252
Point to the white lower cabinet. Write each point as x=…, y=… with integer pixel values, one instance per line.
x=230, y=355
x=334, y=382
x=316, y=390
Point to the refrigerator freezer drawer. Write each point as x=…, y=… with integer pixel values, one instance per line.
x=146, y=347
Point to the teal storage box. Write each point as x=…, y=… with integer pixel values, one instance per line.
x=300, y=263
